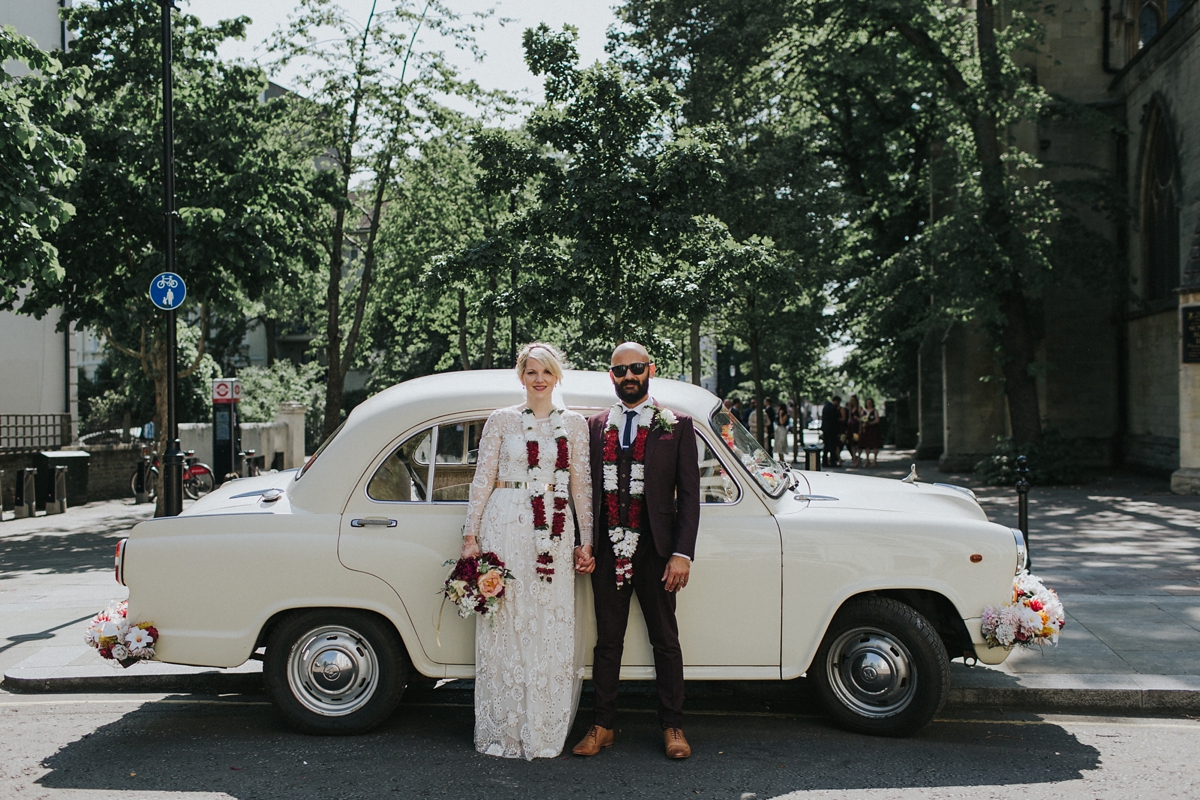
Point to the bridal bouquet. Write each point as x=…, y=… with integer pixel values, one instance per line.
x=476, y=585
x=114, y=637
x=1034, y=616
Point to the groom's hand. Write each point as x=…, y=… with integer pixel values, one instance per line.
x=584, y=561
x=675, y=576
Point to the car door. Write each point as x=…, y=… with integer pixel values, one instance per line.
x=729, y=614
x=405, y=521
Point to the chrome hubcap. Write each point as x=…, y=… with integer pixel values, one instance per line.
x=333, y=671
x=871, y=672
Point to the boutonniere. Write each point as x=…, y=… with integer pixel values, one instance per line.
x=666, y=420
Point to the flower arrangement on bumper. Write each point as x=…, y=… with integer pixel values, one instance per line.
x=1032, y=618
x=476, y=585
x=114, y=637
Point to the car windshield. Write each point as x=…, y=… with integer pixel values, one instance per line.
x=770, y=474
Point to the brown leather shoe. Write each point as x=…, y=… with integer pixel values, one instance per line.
x=595, y=739
x=677, y=746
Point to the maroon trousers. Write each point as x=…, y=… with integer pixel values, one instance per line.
x=612, y=617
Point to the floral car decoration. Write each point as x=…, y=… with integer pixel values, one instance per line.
x=114, y=637
x=476, y=585
x=1033, y=618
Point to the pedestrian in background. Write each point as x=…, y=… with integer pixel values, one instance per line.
x=735, y=409
x=782, y=420
x=853, y=417
x=871, y=436
x=831, y=431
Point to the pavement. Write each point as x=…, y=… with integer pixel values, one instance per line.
x=1122, y=552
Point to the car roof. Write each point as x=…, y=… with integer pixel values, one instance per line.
x=378, y=421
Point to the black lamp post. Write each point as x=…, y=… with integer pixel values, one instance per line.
x=172, y=475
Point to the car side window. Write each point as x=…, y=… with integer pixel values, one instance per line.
x=404, y=475
x=715, y=484
x=454, y=465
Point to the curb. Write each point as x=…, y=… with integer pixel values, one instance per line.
x=1074, y=699
x=201, y=683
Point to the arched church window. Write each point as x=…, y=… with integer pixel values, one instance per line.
x=1148, y=24
x=1160, y=216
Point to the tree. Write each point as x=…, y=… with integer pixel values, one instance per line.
x=242, y=191
x=373, y=95
x=36, y=160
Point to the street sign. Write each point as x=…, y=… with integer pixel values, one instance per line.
x=227, y=390
x=167, y=291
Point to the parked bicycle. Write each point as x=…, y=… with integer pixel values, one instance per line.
x=198, y=479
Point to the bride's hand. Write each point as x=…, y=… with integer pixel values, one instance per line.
x=470, y=548
x=584, y=562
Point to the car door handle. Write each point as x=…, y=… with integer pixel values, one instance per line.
x=382, y=522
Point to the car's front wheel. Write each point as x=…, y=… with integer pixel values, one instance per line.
x=881, y=668
x=335, y=671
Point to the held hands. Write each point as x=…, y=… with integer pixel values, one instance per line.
x=675, y=576
x=470, y=548
x=584, y=561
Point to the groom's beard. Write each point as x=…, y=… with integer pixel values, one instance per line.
x=632, y=391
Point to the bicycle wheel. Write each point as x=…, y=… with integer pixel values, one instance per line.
x=198, y=481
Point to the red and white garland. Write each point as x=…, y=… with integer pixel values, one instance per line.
x=542, y=476
x=624, y=538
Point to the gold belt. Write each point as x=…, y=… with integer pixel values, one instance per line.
x=547, y=487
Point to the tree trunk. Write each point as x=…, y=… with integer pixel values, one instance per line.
x=464, y=357
x=694, y=345
x=489, y=336
x=270, y=325
x=760, y=415
x=335, y=380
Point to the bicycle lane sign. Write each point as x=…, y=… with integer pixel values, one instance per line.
x=167, y=291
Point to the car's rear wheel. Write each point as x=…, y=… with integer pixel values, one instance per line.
x=335, y=671
x=881, y=669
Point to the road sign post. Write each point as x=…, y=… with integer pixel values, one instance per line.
x=172, y=460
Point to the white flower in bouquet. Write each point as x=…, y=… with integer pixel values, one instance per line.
x=138, y=639
x=110, y=630
x=120, y=652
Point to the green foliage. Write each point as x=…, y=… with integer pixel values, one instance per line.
x=36, y=162
x=264, y=388
x=1054, y=461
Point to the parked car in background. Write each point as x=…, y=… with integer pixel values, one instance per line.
x=331, y=573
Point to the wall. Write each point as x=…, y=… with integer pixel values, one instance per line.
x=1152, y=441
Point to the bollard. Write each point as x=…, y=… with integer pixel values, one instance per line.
x=25, y=493
x=141, y=488
x=1023, y=505
x=1, y=495
x=812, y=458
x=247, y=463
x=56, y=501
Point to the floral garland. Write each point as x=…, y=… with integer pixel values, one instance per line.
x=624, y=538
x=111, y=633
x=542, y=476
x=1033, y=617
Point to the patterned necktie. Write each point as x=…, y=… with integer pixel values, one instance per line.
x=628, y=439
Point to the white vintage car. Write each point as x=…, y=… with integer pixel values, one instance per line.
x=331, y=573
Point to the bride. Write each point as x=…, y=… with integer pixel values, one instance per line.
x=533, y=460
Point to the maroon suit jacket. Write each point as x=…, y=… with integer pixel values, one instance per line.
x=672, y=504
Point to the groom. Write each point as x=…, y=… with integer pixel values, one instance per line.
x=647, y=512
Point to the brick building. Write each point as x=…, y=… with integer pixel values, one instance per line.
x=1113, y=375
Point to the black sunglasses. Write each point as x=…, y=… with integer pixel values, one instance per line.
x=637, y=368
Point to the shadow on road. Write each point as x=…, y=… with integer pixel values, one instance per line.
x=80, y=550
x=243, y=749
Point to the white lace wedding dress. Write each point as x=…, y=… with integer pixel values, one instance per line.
x=528, y=663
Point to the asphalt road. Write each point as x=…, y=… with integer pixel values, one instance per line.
x=176, y=746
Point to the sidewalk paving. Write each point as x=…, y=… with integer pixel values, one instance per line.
x=1122, y=552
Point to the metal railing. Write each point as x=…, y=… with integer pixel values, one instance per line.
x=28, y=433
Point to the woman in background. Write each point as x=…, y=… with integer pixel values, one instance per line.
x=870, y=439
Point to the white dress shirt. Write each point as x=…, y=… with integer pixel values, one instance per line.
x=639, y=408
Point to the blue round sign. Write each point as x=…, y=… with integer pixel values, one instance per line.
x=167, y=291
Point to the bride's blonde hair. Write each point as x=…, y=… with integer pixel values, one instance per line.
x=546, y=353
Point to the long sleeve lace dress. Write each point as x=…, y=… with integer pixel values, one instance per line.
x=528, y=664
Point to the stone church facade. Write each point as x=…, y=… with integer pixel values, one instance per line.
x=1119, y=362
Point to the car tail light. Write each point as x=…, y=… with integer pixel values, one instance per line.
x=119, y=562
